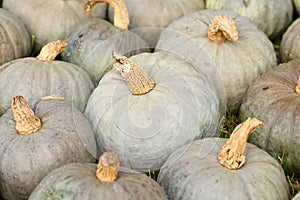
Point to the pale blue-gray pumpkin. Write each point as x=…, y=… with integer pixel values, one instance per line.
x=14, y=37
x=195, y=171
x=103, y=181
x=36, y=141
x=234, y=62
x=41, y=76
x=168, y=106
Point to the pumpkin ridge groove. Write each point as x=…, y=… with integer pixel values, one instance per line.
x=9, y=34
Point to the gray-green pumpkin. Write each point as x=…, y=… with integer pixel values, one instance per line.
x=33, y=143
x=233, y=60
x=14, y=37
x=272, y=17
x=41, y=76
x=144, y=127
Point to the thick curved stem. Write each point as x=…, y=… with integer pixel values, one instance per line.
x=233, y=153
x=108, y=167
x=121, y=17
x=297, y=88
x=51, y=50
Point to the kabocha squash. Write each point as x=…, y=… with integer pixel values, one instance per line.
x=148, y=18
x=274, y=98
x=14, y=37
x=289, y=47
x=39, y=138
x=42, y=76
x=272, y=17
x=225, y=46
x=217, y=168
x=91, y=42
x=103, y=181
x=167, y=104
x=50, y=20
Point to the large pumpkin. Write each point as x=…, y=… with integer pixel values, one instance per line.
x=168, y=107
x=217, y=168
x=225, y=46
x=41, y=76
x=103, y=181
x=38, y=140
x=274, y=100
x=50, y=20
x=272, y=17
x=14, y=40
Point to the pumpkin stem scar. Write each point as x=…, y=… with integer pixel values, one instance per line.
x=26, y=121
x=222, y=28
x=108, y=167
x=233, y=154
x=51, y=50
x=137, y=78
x=297, y=89
x=121, y=17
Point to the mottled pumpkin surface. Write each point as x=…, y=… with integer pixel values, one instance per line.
x=193, y=171
x=272, y=99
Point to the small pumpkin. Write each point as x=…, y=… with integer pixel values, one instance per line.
x=15, y=39
x=289, y=47
x=105, y=180
x=168, y=104
x=50, y=20
x=223, y=45
x=41, y=76
x=274, y=98
x=38, y=138
x=272, y=17
x=219, y=168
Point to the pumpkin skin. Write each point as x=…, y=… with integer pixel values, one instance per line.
x=129, y=185
x=50, y=20
x=233, y=65
x=273, y=99
x=91, y=42
x=289, y=47
x=297, y=197
x=148, y=18
x=15, y=39
x=65, y=137
x=297, y=5
x=36, y=79
x=272, y=17
x=193, y=171
x=144, y=129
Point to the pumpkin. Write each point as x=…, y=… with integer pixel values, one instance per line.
x=219, y=168
x=297, y=196
x=105, y=180
x=168, y=104
x=38, y=138
x=91, y=43
x=50, y=20
x=297, y=6
x=148, y=18
x=289, y=47
x=274, y=99
x=41, y=76
x=15, y=40
x=225, y=46
x=272, y=17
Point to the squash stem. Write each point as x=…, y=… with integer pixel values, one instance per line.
x=233, y=154
x=108, y=167
x=121, y=17
x=297, y=89
x=222, y=28
x=138, y=80
x=26, y=121
x=51, y=50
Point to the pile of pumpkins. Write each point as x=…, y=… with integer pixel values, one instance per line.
x=103, y=92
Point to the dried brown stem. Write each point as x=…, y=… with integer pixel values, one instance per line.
x=138, y=80
x=297, y=88
x=26, y=121
x=108, y=167
x=51, y=50
x=222, y=28
x=121, y=17
x=233, y=153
